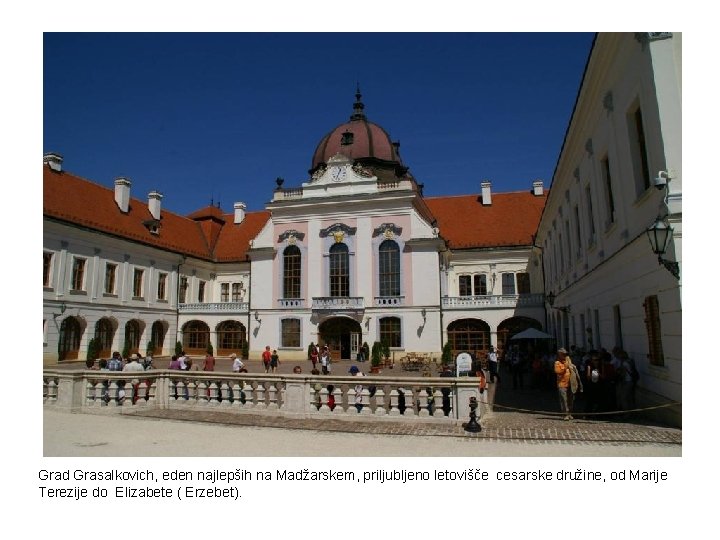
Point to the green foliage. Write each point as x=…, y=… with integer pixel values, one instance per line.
x=150, y=349
x=375, y=354
x=446, y=354
x=245, y=350
x=209, y=349
x=93, y=351
x=385, y=350
x=178, y=348
x=126, y=350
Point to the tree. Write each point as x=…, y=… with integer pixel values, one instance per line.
x=446, y=354
x=126, y=350
x=93, y=351
x=178, y=348
x=209, y=348
x=150, y=348
x=376, y=353
x=245, y=350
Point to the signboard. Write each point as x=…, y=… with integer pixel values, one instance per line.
x=463, y=363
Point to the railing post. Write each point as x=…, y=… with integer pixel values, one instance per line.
x=296, y=393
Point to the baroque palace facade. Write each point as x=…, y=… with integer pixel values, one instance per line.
x=357, y=253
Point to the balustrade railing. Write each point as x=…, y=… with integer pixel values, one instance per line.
x=211, y=307
x=338, y=302
x=291, y=302
x=389, y=300
x=503, y=300
x=432, y=398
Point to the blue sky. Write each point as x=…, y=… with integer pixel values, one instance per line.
x=218, y=116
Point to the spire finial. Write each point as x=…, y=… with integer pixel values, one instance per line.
x=358, y=106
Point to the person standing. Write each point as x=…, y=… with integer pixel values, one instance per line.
x=493, y=365
x=266, y=357
x=134, y=365
x=209, y=364
x=314, y=354
x=325, y=360
x=237, y=364
x=274, y=361
x=563, y=372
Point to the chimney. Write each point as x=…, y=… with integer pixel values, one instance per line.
x=485, y=192
x=122, y=193
x=537, y=188
x=239, y=212
x=154, y=198
x=53, y=160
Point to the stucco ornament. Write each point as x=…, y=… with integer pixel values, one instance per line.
x=339, y=236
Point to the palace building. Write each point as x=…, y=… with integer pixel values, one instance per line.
x=357, y=254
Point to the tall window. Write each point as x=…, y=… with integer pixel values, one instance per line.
x=290, y=332
x=591, y=216
x=201, y=292
x=607, y=179
x=390, y=331
x=523, y=283
x=224, y=292
x=132, y=336
x=110, y=273
x=183, y=289
x=47, y=264
x=508, y=283
x=638, y=150
x=69, y=339
x=230, y=337
x=162, y=286
x=617, y=320
x=568, y=239
x=237, y=292
x=291, y=272
x=389, y=268
x=464, y=286
x=78, y=274
x=480, y=284
x=137, y=283
x=654, y=332
x=196, y=336
x=157, y=334
x=104, y=332
x=577, y=231
x=339, y=270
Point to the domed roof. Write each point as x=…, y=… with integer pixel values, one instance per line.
x=359, y=140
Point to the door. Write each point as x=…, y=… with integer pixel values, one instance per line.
x=342, y=336
x=354, y=345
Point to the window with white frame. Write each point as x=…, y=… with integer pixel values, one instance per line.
x=391, y=331
x=480, y=284
x=138, y=283
x=183, y=289
x=237, y=292
x=162, y=286
x=465, y=285
x=523, y=282
x=508, y=283
x=110, y=274
x=47, y=268
x=78, y=274
x=290, y=333
x=224, y=292
x=291, y=272
x=389, y=268
x=638, y=150
x=339, y=271
x=201, y=292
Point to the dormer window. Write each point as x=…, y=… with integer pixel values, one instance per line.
x=347, y=138
x=152, y=225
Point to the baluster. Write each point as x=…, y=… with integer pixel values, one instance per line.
x=423, y=411
x=437, y=411
x=89, y=394
x=380, y=407
x=172, y=390
x=324, y=395
x=273, y=395
x=113, y=394
x=99, y=393
x=365, y=401
x=260, y=391
x=213, y=394
x=200, y=393
x=394, y=402
x=151, y=392
x=409, y=402
x=352, y=409
x=249, y=389
x=236, y=395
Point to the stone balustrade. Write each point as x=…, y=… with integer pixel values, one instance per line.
x=504, y=300
x=291, y=302
x=213, y=307
x=434, y=399
x=389, y=301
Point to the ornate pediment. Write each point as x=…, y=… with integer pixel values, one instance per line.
x=388, y=230
x=339, y=170
x=338, y=231
x=291, y=236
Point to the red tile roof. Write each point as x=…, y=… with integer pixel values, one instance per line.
x=511, y=219
x=78, y=201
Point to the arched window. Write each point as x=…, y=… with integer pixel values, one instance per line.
x=389, y=276
x=132, y=336
x=391, y=331
x=339, y=271
x=469, y=335
x=158, y=337
x=231, y=338
x=104, y=332
x=291, y=272
x=69, y=343
x=196, y=336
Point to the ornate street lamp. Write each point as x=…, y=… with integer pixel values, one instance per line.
x=550, y=297
x=659, y=234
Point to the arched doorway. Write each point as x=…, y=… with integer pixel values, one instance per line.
x=105, y=333
x=69, y=342
x=514, y=325
x=196, y=336
x=231, y=338
x=157, y=335
x=342, y=336
x=469, y=335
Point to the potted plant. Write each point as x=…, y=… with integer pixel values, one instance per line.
x=446, y=354
x=375, y=357
x=150, y=349
x=245, y=350
x=178, y=348
x=385, y=353
x=209, y=349
x=93, y=351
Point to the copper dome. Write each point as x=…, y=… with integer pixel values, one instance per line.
x=358, y=139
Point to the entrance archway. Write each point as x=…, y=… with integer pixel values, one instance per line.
x=343, y=337
x=469, y=335
x=509, y=327
x=69, y=342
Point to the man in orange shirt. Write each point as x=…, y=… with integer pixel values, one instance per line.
x=563, y=373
